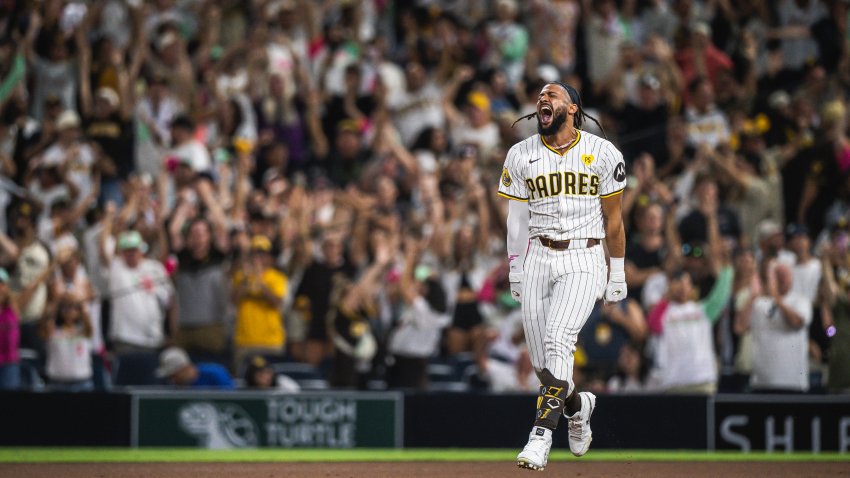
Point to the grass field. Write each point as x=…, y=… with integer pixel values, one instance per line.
x=176, y=455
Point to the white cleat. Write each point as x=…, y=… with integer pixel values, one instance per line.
x=535, y=455
x=579, y=425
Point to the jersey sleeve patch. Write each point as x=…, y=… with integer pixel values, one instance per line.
x=613, y=175
x=506, y=178
x=620, y=172
x=512, y=180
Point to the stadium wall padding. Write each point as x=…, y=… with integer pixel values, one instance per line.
x=778, y=423
x=65, y=419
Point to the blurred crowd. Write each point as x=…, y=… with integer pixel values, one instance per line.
x=194, y=191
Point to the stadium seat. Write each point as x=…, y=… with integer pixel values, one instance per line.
x=30, y=365
x=307, y=376
x=135, y=369
x=100, y=374
x=443, y=377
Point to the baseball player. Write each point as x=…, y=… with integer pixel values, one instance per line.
x=564, y=185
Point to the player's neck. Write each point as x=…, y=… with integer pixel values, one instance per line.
x=563, y=139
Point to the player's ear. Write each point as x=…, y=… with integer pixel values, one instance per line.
x=572, y=108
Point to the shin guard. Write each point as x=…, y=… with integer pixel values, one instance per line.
x=550, y=403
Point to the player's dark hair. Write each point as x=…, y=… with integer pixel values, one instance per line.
x=579, y=117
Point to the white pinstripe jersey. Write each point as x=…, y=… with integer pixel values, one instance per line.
x=564, y=191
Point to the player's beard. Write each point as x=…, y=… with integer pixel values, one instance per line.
x=558, y=120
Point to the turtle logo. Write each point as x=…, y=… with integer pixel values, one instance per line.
x=219, y=427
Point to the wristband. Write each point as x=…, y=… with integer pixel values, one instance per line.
x=618, y=272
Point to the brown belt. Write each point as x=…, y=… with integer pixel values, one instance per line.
x=564, y=245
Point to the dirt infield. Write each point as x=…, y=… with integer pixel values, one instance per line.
x=423, y=470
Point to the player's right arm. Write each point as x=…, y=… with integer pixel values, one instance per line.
x=513, y=187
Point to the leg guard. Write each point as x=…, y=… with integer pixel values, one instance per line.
x=550, y=403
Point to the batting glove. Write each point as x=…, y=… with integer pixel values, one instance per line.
x=516, y=285
x=616, y=289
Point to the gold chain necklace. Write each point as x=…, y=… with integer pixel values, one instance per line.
x=565, y=144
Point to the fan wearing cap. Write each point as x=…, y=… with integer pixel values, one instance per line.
x=643, y=120
x=258, y=291
x=474, y=125
x=261, y=375
x=771, y=243
x=140, y=293
x=806, y=269
x=72, y=154
x=176, y=368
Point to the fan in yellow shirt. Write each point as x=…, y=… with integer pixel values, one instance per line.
x=258, y=290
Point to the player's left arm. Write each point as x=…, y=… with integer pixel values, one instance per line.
x=615, y=238
x=613, y=182
x=615, y=232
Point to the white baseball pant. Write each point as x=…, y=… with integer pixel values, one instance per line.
x=560, y=288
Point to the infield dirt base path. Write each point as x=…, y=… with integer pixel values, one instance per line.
x=423, y=470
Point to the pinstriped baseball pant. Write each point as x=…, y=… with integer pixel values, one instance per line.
x=559, y=291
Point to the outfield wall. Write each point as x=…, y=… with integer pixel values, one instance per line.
x=336, y=419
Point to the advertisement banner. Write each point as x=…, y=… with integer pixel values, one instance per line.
x=782, y=423
x=222, y=420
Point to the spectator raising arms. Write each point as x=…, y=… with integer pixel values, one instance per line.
x=140, y=293
x=681, y=326
x=417, y=334
x=69, y=362
x=778, y=321
x=258, y=291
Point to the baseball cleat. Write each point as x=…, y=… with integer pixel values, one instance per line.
x=535, y=455
x=579, y=425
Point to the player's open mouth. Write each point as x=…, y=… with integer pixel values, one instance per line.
x=545, y=114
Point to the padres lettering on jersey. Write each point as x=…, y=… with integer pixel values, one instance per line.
x=566, y=183
x=563, y=190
